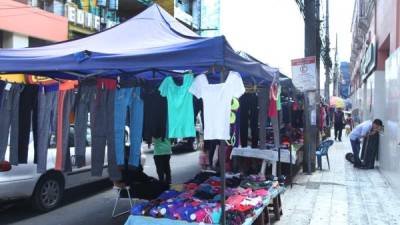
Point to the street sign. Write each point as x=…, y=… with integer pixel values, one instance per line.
x=304, y=73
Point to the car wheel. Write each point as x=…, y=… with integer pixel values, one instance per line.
x=48, y=192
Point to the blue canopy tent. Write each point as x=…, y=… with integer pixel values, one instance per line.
x=283, y=79
x=150, y=42
x=153, y=40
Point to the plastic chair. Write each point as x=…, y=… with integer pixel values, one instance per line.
x=322, y=150
x=118, y=190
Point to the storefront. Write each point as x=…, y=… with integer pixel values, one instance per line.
x=374, y=74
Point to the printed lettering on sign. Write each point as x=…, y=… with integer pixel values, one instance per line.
x=97, y=22
x=304, y=73
x=71, y=14
x=89, y=20
x=80, y=17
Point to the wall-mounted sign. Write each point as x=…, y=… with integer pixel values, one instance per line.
x=304, y=73
x=85, y=19
x=368, y=63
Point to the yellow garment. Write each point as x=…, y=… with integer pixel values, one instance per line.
x=13, y=78
x=40, y=80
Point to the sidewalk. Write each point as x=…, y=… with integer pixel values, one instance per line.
x=343, y=195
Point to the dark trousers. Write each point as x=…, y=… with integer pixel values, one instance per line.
x=338, y=131
x=209, y=146
x=163, y=168
x=355, y=145
x=85, y=104
x=66, y=104
x=103, y=135
x=249, y=114
x=28, y=115
x=47, y=120
x=9, y=110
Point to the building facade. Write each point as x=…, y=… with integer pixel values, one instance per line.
x=22, y=26
x=202, y=16
x=344, y=80
x=375, y=77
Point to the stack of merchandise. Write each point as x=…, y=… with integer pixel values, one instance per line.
x=200, y=200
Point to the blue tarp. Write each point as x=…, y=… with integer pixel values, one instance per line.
x=150, y=41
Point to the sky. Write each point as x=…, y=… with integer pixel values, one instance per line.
x=273, y=30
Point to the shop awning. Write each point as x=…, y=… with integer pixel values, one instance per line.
x=153, y=40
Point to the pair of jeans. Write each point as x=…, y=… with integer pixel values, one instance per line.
x=28, y=115
x=85, y=103
x=2, y=84
x=249, y=113
x=46, y=122
x=163, y=168
x=103, y=134
x=128, y=98
x=9, y=110
x=338, y=131
x=355, y=145
x=66, y=103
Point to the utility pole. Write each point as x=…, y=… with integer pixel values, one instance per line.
x=336, y=70
x=311, y=48
x=327, y=50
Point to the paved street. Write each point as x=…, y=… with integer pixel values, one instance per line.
x=93, y=204
x=343, y=195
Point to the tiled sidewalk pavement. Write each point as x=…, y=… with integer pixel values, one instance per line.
x=343, y=195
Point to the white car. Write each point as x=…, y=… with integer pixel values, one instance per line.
x=46, y=190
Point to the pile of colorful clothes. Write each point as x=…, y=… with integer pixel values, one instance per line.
x=199, y=200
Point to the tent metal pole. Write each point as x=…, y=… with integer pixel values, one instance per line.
x=222, y=148
x=262, y=120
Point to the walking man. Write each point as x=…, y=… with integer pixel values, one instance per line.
x=360, y=131
x=338, y=123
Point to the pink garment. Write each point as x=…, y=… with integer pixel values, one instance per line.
x=272, y=108
x=204, y=215
x=261, y=192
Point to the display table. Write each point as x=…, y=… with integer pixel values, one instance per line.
x=265, y=154
x=272, y=199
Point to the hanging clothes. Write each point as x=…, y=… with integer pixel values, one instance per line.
x=9, y=111
x=28, y=116
x=103, y=130
x=180, y=107
x=217, y=100
x=155, y=114
x=66, y=103
x=278, y=101
x=273, y=97
x=249, y=114
x=47, y=120
x=128, y=97
x=85, y=103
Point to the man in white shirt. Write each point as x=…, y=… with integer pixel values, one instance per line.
x=360, y=131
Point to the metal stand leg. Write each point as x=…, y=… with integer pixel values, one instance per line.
x=327, y=158
x=117, y=200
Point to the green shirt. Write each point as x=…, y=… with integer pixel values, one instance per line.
x=278, y=101
x=180, y=107
x=162, y=147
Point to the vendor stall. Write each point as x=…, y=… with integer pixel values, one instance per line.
x=149, y=62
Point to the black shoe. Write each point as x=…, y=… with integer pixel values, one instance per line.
x=358, y=166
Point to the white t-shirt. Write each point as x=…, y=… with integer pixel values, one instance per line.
x=217, y=100
x=361, y=130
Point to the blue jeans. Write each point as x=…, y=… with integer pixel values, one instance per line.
x=128, y=98
x=355, y=145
